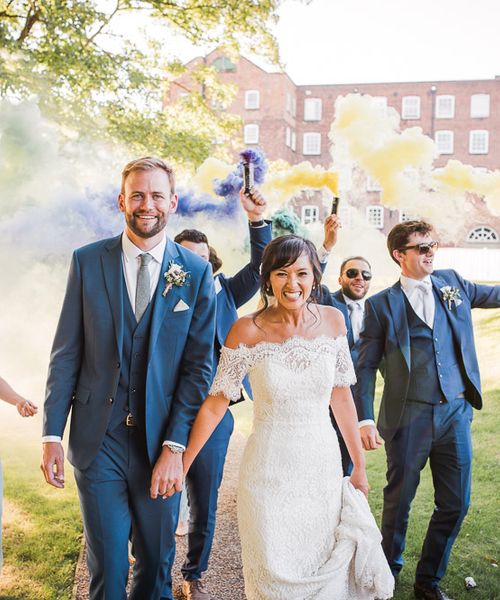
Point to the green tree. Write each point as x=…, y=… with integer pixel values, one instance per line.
x=88, y=75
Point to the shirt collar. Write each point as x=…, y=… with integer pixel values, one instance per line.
x=132, y=252
x=348, y=301
x=409, y=285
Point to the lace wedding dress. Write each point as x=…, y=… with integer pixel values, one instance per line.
x=306, y=533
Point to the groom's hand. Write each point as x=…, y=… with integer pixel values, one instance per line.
x=370, y=437
x=167, y=474
x=53, y=463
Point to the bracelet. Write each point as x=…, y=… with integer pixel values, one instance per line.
x=174, y=448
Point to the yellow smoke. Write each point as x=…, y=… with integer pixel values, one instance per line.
x=370, y=135
x=210, y=169
x=464, y=178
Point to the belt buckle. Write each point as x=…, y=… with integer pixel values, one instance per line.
x=130, y=421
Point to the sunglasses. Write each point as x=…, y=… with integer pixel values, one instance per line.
x=422, y=248
x=352, y=273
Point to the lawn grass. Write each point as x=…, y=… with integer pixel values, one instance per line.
x=43, y=530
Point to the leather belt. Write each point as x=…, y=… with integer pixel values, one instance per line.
x=130, y=421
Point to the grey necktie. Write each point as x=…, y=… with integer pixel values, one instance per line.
x=143, y=289
x=356, y=316
x=423, y=303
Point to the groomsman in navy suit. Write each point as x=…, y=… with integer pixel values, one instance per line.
x=205, y=475
x=354, y=279
x=422, y=328
x=132, y=360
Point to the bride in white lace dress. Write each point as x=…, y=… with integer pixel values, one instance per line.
x=305, y=532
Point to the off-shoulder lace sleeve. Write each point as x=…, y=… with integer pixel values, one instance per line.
x=344, y=369
x=230, y=372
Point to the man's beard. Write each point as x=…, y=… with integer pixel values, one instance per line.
x=131, y=221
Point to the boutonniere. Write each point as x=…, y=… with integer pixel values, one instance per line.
x=450, y=295
x=174, y=275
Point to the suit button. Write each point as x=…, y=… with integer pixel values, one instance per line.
x=440, y=374
x=111, y=400
x=133, y=390
x=117, y=365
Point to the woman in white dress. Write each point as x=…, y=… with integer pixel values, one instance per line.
x=305, y=532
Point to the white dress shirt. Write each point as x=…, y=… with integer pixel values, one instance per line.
x=356, y=314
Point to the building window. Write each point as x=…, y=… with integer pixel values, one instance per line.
x=291, y=104
x=224, y=65
x=480, y=106
x=311, y=144
x=445, y=107
x=478, y=141
x=293, y=142
x=411, y=107
x=406, y=215
x=483, y=234
x=252, y=99
x=444, y=142
x=312, y=109
x=251, y=135
x=310, y=214
x=288, y=137
x=375, y=216
x=372, y=185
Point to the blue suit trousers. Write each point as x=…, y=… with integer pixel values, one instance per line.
x=115, y=501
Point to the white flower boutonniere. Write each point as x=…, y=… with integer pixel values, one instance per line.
x=451, y=295
x=174, y=275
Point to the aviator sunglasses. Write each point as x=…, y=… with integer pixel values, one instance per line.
x=422, y=248
x=352, y=273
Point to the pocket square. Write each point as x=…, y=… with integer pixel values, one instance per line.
x=180, y=306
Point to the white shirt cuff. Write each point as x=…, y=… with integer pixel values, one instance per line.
x=174, y=445
x=51, y=438
x=323, y=254
x=366, y=422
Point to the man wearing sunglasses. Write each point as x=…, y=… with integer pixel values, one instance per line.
x=422, y=328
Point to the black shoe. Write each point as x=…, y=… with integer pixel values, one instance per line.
x=425, y=593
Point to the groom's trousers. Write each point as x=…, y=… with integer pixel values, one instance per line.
x=114, y=498
x=441, y=434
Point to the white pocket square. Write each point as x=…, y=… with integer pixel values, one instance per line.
x=180, y=306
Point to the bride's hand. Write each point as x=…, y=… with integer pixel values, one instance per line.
x=359, y=480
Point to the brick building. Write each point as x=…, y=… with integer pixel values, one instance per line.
x=292, y=122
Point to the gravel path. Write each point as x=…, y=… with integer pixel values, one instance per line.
x=224, y=578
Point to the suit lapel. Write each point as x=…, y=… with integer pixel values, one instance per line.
x=453, y=315
x=163, y=306
x=398, y=310
x=111, y=260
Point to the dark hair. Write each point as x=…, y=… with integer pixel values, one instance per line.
x=148, y=163
x=399, y=235
x=346, y=260
x=282, y=252
x=198, y=237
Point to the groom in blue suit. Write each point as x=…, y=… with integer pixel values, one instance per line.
x=205, y=475
x=132, y=360
x=422, y=328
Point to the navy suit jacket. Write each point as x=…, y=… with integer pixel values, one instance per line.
x=385, y=335
x=84, y=368
x=336, y=299
x=239, y=289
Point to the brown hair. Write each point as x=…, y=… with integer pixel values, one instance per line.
x=399, y=235
x=148, y=163
x=282, y=252
x=198, y=237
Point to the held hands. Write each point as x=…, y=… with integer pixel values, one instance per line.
x=370, y=437
x=331, y=226
x=26, y=408
x=167, y=475
x=52, y=464
x=253, y=204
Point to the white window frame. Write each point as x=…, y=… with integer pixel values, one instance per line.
x=445, y=100
x=406, y=215
x=372, y=185
x=311, y=218
x=479, y=106
x=439, y=137
x=293, y=141
x=252, y=99
x=410, y=107
x=484, y=234
x=288, y=137
x=251, y=133
x=375, y=216
x=313, y=108
x=311, y=143
x=474, y=136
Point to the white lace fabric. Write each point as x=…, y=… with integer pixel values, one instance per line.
x=303, y=535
